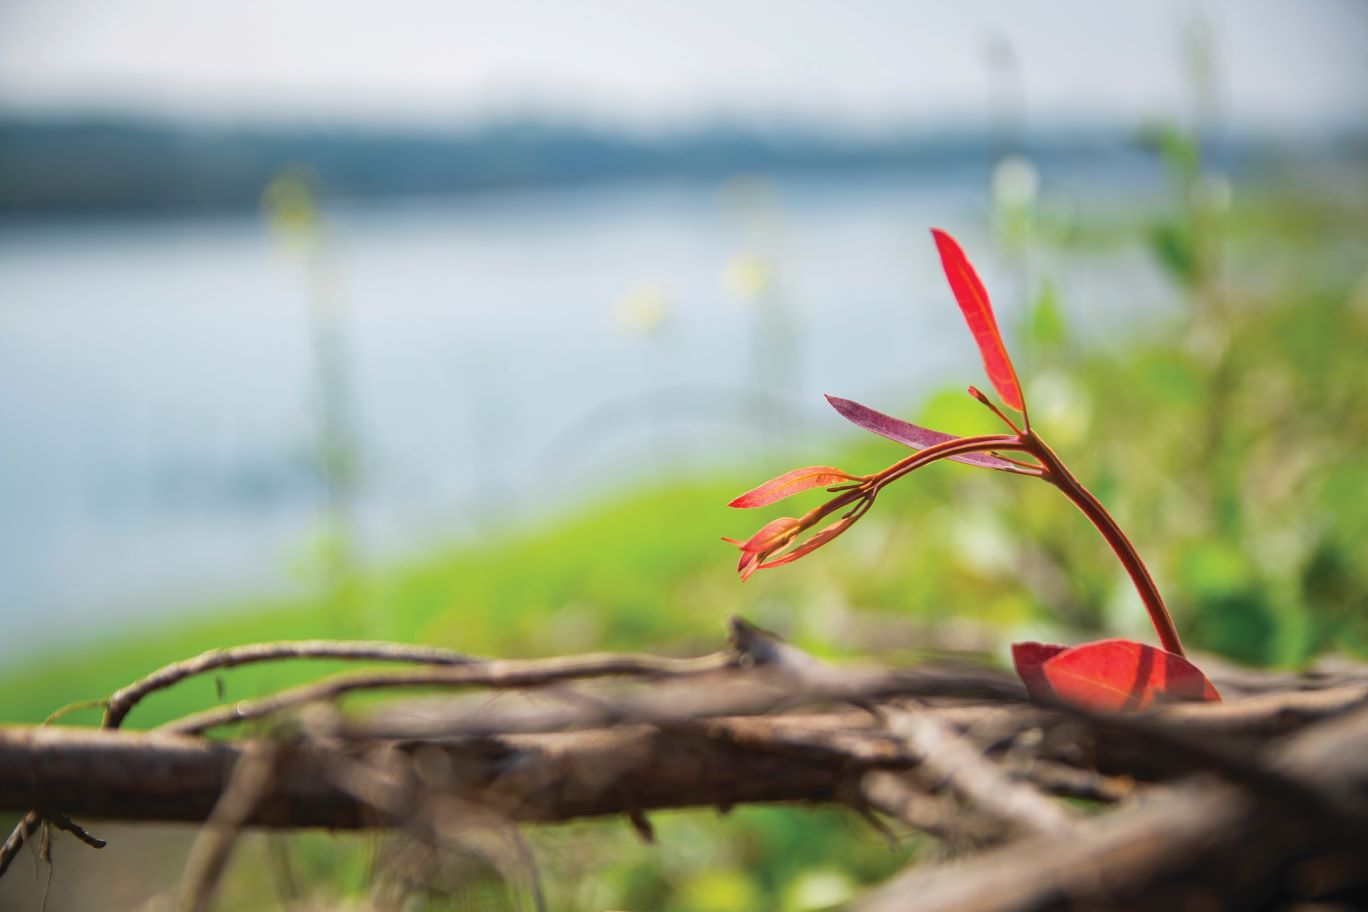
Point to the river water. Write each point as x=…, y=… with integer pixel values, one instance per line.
x=159, y=392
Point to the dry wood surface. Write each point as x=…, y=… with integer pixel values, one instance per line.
x=1259, y=802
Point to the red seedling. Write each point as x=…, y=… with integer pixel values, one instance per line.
x=1108, y=674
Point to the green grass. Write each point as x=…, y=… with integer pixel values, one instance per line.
x=641, y=570
x=620, y=574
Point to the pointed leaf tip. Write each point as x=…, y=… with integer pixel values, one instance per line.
x=790, y=483
x=973, y=302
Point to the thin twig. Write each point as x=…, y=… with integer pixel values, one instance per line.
x=247, y=785
x=953, y=759
x=123, y=700
x=896, y=796
x=757, y=692
x=62, y=822
x=500, y=673
x=14, y=843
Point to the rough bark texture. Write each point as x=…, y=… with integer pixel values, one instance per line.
x=1258, y=802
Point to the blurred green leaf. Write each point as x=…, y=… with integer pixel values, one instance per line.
x=1046, y=317
x=1173, y=246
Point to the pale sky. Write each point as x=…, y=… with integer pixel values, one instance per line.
x=1287, y=64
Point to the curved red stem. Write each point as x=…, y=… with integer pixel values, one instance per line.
x=1059, y=476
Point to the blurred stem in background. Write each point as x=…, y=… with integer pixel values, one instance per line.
x=289, y=205
x=753, y=277
x=1014, y=184
x=644, y=313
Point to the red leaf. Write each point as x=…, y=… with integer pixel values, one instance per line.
x=791, y=483
x=748, y=564
x=1028, y=659
x=911, y=435
x=1115, y=675
x=812, y=544
x=772, y=535
x=978, y=313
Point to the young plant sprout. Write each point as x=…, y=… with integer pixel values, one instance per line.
x=1107, y=674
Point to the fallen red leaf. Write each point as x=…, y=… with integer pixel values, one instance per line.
x=978, y=313
x=791, y=483
x=1110, y=675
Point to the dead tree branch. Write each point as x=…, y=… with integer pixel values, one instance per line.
x=1261, y=797
x=1199, y=839
x=122, y=701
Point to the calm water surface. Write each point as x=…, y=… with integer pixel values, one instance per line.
x=159, y=394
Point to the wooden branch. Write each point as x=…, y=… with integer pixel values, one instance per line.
x=248, y=784
x=503, y=674
x=85, y=773
x=957, y=761
x=1201, y=841
x=123, y=700
x=89, y=773
x=956, y=751
x=735, y=692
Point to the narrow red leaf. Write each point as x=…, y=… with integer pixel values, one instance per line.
x=911, y=435
x=748, y=564
x=812, y=544
x=791, y=483
x=978, y=313
x=1122, y=675
x=1028, y=659
x=772, y=534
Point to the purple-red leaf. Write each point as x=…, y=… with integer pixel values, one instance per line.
x=978, y=313
x=1110, y=675
x=912, y=435
x=791, y=483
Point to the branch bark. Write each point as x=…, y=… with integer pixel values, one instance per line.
x=1201, y=843
x=954, y=751
x=88, y=773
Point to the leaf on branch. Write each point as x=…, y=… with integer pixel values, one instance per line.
x=911, y=435
x=791, y=483
x=1110, y=675
x=978, y=313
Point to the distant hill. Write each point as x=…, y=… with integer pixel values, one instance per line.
x=92, y=166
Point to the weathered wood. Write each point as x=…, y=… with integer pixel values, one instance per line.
x=97, y=774
x=1201, y=844
x=1238, y=804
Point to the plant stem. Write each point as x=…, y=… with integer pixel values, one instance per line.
x=1059, y=476
x=947, y=449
